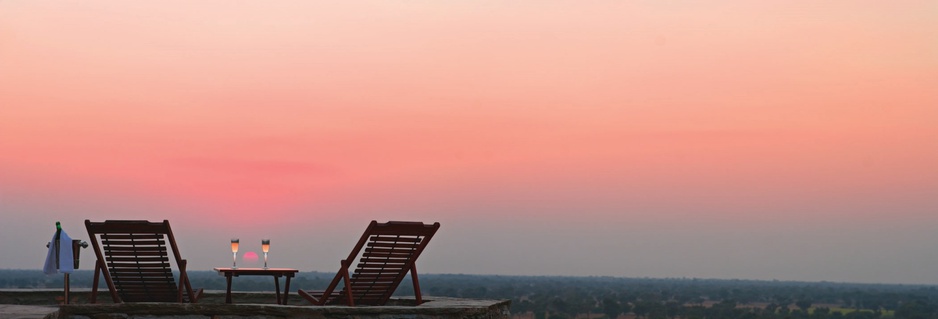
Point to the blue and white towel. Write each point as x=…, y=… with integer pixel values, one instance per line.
x=65, y=263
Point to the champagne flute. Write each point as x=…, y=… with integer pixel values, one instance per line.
x=234, y=253
x=265, y=246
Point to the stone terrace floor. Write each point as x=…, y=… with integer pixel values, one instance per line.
x=37, y=304
x=26, y=311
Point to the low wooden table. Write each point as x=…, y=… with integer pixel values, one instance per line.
x=275, y=272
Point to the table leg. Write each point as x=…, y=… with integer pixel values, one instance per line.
x=228, y=294
x=286, y=290
x=277, y=288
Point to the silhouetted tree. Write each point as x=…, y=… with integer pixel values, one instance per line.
x=611, y=308
x=803, y=304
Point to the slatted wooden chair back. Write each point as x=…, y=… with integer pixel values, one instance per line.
x=133, y=256
x=390, y=252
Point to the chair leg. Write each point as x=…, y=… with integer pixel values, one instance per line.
x=312, y=299
x=94, y=283
x=110, y=282
x=181, y=285
x=184, y=285
x=348, y=287
x=413, y=275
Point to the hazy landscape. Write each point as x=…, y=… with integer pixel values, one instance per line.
x=550, y=297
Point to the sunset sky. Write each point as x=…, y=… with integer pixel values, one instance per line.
x=789, y=140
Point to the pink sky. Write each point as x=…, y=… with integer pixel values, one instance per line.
x=765, y=140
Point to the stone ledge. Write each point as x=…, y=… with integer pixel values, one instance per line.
x=437, y=308
x=82, y=296
x=26, y=312
x=248, y=305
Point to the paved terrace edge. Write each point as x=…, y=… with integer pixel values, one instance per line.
x=39, y=303
x=437, y=308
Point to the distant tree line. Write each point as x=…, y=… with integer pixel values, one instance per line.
x=609, y=297
x=566, y=297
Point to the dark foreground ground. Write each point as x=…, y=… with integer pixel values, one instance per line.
x=36, y=304
x=546, y=297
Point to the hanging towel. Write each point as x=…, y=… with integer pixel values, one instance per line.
x=61, y=260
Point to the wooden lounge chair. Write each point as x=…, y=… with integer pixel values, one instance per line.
x=390, y=252
x=133, y=256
